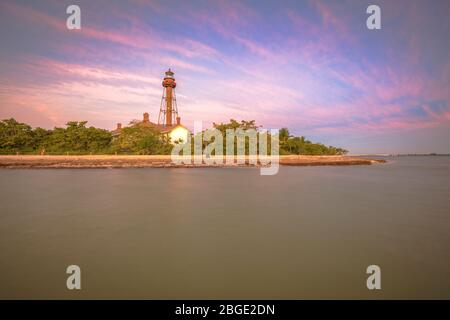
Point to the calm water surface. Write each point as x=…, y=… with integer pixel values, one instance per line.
x=308, y=232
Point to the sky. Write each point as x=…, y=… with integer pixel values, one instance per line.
x=311, y=66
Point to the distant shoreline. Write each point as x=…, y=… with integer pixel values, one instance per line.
x=160, y=161
x=401, y=155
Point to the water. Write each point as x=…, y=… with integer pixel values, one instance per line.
x=308, y=232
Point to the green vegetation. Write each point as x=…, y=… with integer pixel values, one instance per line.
x=15, y=136
x=299, y=145
x=139, y=139
x=288, y=144
x=223, y=127
x=76, y=139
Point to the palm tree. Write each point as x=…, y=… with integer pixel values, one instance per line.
x=284, y=136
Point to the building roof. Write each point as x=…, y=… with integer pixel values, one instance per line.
x=159, y=127
x=147, y=123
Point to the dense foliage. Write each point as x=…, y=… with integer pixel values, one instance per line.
x=300, y=145
x=288, y=144
x=77, y=138
x=139, y=139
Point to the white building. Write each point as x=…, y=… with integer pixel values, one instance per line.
x=176, y=132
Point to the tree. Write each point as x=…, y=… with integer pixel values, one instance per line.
x=15, y=136
x=76, y=138
x=139, y=139
x=284, y=134
x=235, y=125
x=300, y=145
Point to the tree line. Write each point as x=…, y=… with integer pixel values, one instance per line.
x=76, y=138
x=289, y=145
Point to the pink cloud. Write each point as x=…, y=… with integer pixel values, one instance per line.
x=331, y=20
x=140, y=36
x=308, y=98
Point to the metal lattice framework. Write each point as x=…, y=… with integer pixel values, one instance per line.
x=168, y=110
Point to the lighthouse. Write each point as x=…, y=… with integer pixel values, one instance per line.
x=169, y=123
x=168, y=111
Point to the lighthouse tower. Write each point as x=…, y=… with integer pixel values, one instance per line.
x=168, y=111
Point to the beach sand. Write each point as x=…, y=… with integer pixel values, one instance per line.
x=163, y=161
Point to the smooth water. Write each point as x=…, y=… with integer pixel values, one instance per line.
x=308, y=232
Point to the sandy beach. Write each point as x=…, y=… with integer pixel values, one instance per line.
x=162, y=161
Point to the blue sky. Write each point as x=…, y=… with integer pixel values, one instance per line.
x=311, y=66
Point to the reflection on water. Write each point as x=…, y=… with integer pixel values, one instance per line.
x=308, y=232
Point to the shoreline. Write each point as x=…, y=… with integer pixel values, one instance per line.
x=162, y=161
